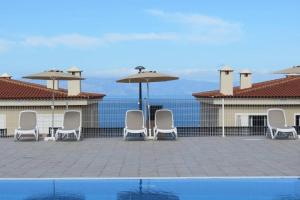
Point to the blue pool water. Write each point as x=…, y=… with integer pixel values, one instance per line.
x=156, y=189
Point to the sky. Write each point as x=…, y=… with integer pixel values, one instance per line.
x=190, y=38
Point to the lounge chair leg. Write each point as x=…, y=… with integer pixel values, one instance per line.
x=175, y=136
x=125, y=134
x=295, y=135
x=16, y=137
x=78, y=136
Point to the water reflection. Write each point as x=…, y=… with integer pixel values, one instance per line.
x=141, y=194
x=288, y=197
x=148, y=189
x=56, y=196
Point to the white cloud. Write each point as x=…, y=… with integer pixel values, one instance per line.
x=188, y=28
x=117, y=37
x=82, y=41
x=72, y=40
x=5, y=45
x=201, y=28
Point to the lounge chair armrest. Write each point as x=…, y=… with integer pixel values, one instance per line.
x=290, y=127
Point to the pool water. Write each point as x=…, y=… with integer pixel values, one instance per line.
x=156, y=189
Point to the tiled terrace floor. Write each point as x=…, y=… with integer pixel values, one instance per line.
x=113, y=157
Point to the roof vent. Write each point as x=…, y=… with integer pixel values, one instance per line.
x=245, y=79
x=74, y=86
x=226, y=80
x=6, y=76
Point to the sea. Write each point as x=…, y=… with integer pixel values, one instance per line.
x=186, y=112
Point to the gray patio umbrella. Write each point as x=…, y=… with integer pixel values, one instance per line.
x=147, y=77
x=53, y=75
x=295, y=70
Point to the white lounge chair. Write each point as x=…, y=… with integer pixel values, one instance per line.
x=27, y=125
x=164, y=123
x=134, y=123
x=71, y=125
x=277, y=124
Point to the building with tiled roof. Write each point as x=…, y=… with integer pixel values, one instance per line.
x=16, y=96
x=20, y=90
x=246, y=105
x=288, y=87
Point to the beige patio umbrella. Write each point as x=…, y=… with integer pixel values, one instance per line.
x=147, y=77
x=295, y=70
x=53, y=75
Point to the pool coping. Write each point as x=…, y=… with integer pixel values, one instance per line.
x=157, y=178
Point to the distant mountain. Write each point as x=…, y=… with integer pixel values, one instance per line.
x=179, y=88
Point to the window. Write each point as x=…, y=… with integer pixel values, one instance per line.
x=257, y=120
x=242, y=120
x=251, y=120
x=297, y=120
x=2, y=121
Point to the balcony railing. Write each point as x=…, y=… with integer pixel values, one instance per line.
x=192, y=117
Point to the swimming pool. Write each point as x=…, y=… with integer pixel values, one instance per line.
x=146, y=189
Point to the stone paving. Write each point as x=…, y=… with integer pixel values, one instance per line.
x=186, y=157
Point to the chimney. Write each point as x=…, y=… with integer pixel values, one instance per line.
x=74, y=86
x=51, y=86
x=6, y=76
x=245, y=79
x=226, y=80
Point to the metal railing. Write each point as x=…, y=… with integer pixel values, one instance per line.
x=192, y=117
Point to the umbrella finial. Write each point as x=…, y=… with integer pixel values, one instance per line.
x=140, y=68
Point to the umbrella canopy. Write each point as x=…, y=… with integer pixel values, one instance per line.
x=53, y=75
x=147, y=76
x=295, y=70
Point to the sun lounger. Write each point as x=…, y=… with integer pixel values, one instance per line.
x=164, y=123
x=71, y=125
x=277, y=124
x=27, y=125
x=134, y=123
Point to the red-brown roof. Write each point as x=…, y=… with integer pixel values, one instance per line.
x=278, y=88
x=15, y=89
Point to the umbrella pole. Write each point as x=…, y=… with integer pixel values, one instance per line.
x=52, y=107
x=148, y=108
x=140, y=96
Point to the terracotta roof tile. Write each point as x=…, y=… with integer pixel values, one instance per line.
x=15, y=89
x=284, y=87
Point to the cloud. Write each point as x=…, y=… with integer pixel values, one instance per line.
x=187, y=28
x=117, y=37
x=5, y=45
x=72, y=40
x=82, y=41
x=201, y=28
